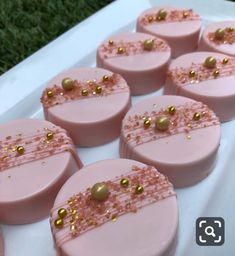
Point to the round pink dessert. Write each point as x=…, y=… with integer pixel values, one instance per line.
x=177, y=135
x=140, y=58
x=37, y=157
x=127, y=223
x=219, y=37
x=1, y=244
x=179, y=27
x=189, y=76
x=91, y=107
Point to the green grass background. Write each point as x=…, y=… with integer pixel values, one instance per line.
x=27, y=25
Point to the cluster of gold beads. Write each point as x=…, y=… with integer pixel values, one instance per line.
x=138, y=189
x=59, y=222
x=220, y=32
x=161, y=15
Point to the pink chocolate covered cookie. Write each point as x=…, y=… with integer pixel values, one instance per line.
x=177, y=135
x=89, y=103
x=179, y=27
x=219, y=37
x=115, y=207
x=1, y=244
x=37, y=157
x=140, y=58
x=205, y=76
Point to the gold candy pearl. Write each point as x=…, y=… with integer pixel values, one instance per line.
x=192, y=73
x=124, y=183
x=67, y=84
x=84, y=92
x=225, y=60
x=147, y=123
x=171, y=110
x=230, y=29
x=49, y=94
x=50, y=135
x=216, y=73
x=73, y=228
x=20, y=150
x=110, y=42
x=185, y=14
x=150, y=19
x=219, y=33
x=62, y=212
x=210, y=62
x=161, y=15
x=105, y=78
x=98, y=89
x=162, y=123
x=197, y=116
x=148, y=44
x=139, y=189
x=100, y=191
x=120, y=50
x=59, y=223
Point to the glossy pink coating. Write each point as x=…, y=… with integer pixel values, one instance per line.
x=144, y=70
x=182, y=34
x=217, y=92
x=152, y=230
x=90, y=121
x=226, y=45
x=184, y=157
x=28, y=190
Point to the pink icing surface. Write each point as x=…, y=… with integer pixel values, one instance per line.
x=1, y=244
x=93, y=120
x=184, y=167
x=218, y=93
x=32, y=200
x=207, y=45
x=182, y=36
x=143, y=71
x=157, y=222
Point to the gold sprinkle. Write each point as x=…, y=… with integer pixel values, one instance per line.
x=59, y=223
x=185, y=14
x=88, y=81
x=49, y=94
x=225, y=60
x=150, y=19
x=124, y=183
x=192, y=73
x=62, y=212
x=98, y=89
x=20, y=150
x=210, y=62
x=110, y=42
x=171, y=110
x=50, y=135
x=114, y=217
x=73, y=228
x=84, y=92
x=121, y=50
x=61, y=94
x=216, y=73
x=188, y=137
x=230, y=29
x=189, y=125
x=197, y=116
x=139, y=189
x=147, y=123
x=148, y=44
x=105, y=78
x=161, y=15
x=219, y=34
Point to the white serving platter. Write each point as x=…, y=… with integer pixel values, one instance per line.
x=20, y=90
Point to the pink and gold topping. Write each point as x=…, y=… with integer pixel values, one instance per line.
x=168, y=16
x=222, y=36
x=76, y=90
x=166, y=122
x=121, y=48
x=211, y=68
x=125, y=194
x=17, y=150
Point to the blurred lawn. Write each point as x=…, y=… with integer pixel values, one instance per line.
x=27, y=25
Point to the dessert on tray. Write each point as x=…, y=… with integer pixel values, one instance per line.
x=219, y=37
x=37, y=157
x=177, y=135
x=179, y=27
x=142, y=59
x=205, y=76
x=115, y=207
x=89, y=103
